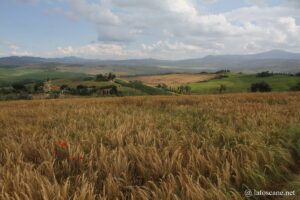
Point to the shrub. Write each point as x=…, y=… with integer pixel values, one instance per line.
x=64, y=87
x=79, y=87
x=223, y=71
x=6, y=90
x=162, y=86
x=111, y=76
x=19, y=86
x=90, y=78
x=53, y=95
x=222, y=88
x=101, y=77
x=114, y=90
x=22, y=96
x=260, y=87
x=221, y=76
x=38, y=86
x=295, y=87
x=264, y=74
x=107, y=77
x=184, y=89
x=84, y=90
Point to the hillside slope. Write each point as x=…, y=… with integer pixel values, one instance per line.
x=275, y=60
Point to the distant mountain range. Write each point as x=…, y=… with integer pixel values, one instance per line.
x=275, y=60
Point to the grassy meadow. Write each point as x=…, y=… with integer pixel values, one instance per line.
x=11, y=75
x=236, y=82
x=210, y=147
x=139, y=85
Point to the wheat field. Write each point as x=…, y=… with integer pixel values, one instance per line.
x=186, y=147
x=171, y=79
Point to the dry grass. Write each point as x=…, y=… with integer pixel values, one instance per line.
x=189, y=147
x=171, y=79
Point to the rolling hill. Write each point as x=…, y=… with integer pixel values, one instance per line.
x=275, y=60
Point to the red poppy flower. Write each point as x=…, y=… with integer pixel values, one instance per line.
x=62, y=144
x=72, y=158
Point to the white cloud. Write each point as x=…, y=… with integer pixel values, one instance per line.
x=95, y=50
x=178, y=28
x=21, y=53
x=14, y=47
x=173, y=50
x=252, y=47
x=159, y=49
x=93, y=12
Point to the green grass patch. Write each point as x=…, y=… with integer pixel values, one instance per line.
x=242, y=83
x=127, y=91
x=8, y=76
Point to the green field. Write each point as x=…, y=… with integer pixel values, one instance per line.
x=242, y=82
x=8, y=76
x=24, y=74
x=234, y=82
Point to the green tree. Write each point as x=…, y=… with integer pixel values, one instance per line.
x=187, y=89
x=260, y=87
x=38, y=86
x=295, y=87
x=222, y=88
x=19, y=87
x=64, y=87
x=184, y=89
x=111, y=76
x=101, y=77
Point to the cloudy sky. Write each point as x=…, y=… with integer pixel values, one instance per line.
x=164, y=29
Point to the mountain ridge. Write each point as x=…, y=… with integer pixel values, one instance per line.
x=277, y=59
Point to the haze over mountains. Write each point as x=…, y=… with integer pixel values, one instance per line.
x=275, y=60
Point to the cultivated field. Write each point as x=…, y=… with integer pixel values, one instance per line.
x=11, y=75
x=189, y=147
x=235, y=82
x=171, y=79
